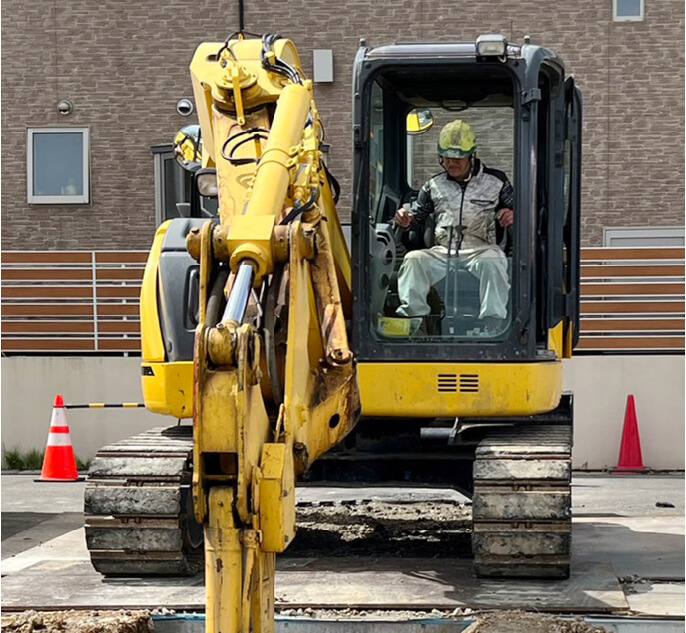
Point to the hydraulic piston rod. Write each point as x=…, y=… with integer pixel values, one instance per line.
x=240, y=294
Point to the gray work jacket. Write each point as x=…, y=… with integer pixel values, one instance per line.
x=470, y=207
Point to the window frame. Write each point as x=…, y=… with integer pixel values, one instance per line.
x=628, y=18
x=83, y=198
x=638, y=232
x=161, y=154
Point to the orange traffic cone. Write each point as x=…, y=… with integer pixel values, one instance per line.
x=59, y=463
x=630, y=455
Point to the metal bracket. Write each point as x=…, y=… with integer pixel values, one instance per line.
x=531, y=95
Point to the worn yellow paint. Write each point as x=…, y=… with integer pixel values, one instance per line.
x=152, y=345
x=568, y=340
x=252, y=238
x=223, y=565
x=213, y=82
x=277, y=497
x=555, y=339
x=216, y=428
x=169, y=390
x=411, y=389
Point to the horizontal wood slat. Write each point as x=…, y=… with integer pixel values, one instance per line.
x=66, y=344
x=598, y=270
x=62, y=344
x=121, y=257
x=120, y=345
x=131, y=292
x=116, y=274
x=632, y=325
x=70, y=327
x=625, y=289
x=118, y=309
x=46, y=292
x=52, y=274
x=631, y=254
x=637, y=343
x=49, y=257
x=120, y=327
x=632, y=307
x=48, y=327
x=46, y=309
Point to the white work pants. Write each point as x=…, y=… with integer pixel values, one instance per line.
x=422, y=269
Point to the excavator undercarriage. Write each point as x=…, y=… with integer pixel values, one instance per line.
x=518, y=480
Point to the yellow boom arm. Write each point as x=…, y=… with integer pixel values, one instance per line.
x=274, y=379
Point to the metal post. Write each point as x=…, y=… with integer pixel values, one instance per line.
x=94, y=278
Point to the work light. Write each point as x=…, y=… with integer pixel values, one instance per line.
x=491, y=45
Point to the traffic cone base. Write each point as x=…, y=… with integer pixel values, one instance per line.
x=630, y=454
x=59, y=463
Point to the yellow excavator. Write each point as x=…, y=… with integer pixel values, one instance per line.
x=278, y=332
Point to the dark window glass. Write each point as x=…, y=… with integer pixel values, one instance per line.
x=58, y=164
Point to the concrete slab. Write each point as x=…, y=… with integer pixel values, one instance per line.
x=323, y=583
x=21, y=493
x=437, y=584
x=657, y=598
x=649, y=547
x=70, y=547
x=627, y=495
x=649, y=544
x=25, y=530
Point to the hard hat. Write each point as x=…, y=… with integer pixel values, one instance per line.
x=457, y=140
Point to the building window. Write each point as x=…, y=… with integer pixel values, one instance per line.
x=58, y=165
x=627, y=10
x=644, y=236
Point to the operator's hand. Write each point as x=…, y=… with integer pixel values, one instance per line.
x=403, y=218
x=506, y=218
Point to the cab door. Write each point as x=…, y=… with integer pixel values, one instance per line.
x=572, y=225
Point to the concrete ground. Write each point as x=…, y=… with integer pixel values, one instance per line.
x=627, y=527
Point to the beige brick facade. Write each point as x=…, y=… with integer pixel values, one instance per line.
x=124, y=65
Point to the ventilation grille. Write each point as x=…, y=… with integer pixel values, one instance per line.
x=452, y=383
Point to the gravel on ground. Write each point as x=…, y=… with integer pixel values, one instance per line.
x=78, y=622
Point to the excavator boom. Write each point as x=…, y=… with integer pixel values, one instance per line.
x=263, y=409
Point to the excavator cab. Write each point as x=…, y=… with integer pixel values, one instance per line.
x=527, y=122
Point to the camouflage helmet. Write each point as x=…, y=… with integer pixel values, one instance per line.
x=457, y=140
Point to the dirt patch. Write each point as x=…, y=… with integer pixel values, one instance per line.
x=383, y=529
x=78, y=622
x=509, y=621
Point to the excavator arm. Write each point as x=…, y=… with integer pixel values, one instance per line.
x=274, y=378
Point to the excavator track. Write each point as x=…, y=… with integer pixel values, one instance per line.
x=139, y=509
x=522, y=503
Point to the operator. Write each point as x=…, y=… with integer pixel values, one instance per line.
x=465, y=200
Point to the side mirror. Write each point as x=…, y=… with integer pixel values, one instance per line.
x=188, y=147
x=419, y=121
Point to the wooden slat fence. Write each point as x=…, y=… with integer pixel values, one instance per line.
x=632, y=300
x=83, y=302
x=78, y=302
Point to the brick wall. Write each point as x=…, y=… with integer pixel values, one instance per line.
x=124, y=65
